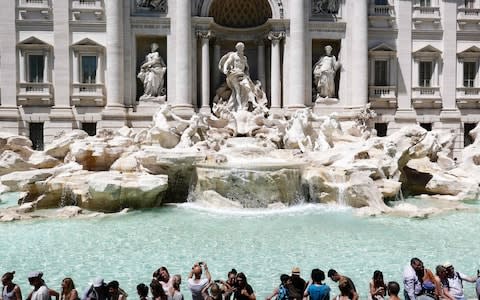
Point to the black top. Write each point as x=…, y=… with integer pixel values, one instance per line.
x=238, y=293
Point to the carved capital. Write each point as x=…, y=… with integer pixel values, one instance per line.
x=276, y=36
x=205, y=34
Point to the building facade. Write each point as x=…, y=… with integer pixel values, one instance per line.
x=68, y=64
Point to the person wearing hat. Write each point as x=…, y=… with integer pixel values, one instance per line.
x=97, y=291
x=297, y=285
x=455, y=281
x=40, y=290
x=11, y=290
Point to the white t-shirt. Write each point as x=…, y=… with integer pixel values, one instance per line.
x=196, y=287
x=41, y=293
x=455, y=285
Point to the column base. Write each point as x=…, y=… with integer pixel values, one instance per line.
x=276, y=111
x=450, y=115
x=406, y=116
x=183, y=110
x=9, y=119
x=113, y=117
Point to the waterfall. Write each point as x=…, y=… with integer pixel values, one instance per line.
x=68, y=196
x=399, y=195
x=339, y=181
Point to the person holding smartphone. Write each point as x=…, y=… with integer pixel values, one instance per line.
x=195, y=281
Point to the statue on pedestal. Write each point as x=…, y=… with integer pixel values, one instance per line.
x=324, y=74
x=243, y=90
x=152, y=73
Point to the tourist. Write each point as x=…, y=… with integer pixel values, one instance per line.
x=174, y=293
x=477, y=285
x=455, y=281
x=164, y=278
x=281, y=292
x=430, y=286
x=158, y=293
x=215, y=292
x=195, y=281
x=316, y=289
x=393, y=290
x=442, y=280
x=115, y=292
x=337, y=277
x=142, y=291
x=68, y=290
x=378, y=289
x=243, y=291
x=229, y=285
x=11, y=291
x=40, y=290
x=411, y=284
x=345, y=288
x=297, y=286
x=97, y=291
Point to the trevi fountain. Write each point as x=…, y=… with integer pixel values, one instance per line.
x=239, y=187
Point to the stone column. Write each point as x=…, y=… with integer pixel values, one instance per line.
x=276, y=84
x=359, y=82
x=216, y=60
x=8, y=69
x=297, y=87
x=182, y=29
x=404, y=113
x=114, y=115
x=205, y=41
x=261, y=62
x=61, y=116
x=115, y=70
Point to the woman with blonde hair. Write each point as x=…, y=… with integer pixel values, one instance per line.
x=68, y=290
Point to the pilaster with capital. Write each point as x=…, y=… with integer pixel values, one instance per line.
x=359, y=39
x=297, y=54
x=182, y=29
x=115, y=70
x=205, y=37
x=276, y=84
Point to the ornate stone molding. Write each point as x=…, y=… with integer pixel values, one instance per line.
x=205, y=34
x=325, y=7
x=154, y=5
x=276, y=36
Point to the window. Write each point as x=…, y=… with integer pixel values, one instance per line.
x=36, y=65
x=469, y=3
x=89, y=69
x=426, y=126
x=381, y=2
x=469, y=73
x=381, y=72
x=90, y=128
x=425, y=73
x=425, y=3
x=467, y=139
x=36, y=135
x=381, y=129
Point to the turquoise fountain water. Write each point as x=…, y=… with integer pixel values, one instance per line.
x=263, y=244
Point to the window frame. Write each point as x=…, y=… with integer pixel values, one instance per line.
x=421, y=81
x=81, y=66
x=472, y=81
x=28, y=66
x=386, y=71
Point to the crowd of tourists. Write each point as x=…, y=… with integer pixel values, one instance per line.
x=419, y=283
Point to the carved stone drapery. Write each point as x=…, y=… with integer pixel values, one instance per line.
x=325, y=7
x=156, y=5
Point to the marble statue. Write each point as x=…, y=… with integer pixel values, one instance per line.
x=243, y=90
x=324, y=74
x=152, y=73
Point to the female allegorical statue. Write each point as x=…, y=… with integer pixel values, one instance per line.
x=152, y=74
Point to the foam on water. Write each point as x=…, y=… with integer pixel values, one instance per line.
x=295, y=210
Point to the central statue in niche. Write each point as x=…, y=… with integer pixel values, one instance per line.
x=245, y=94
